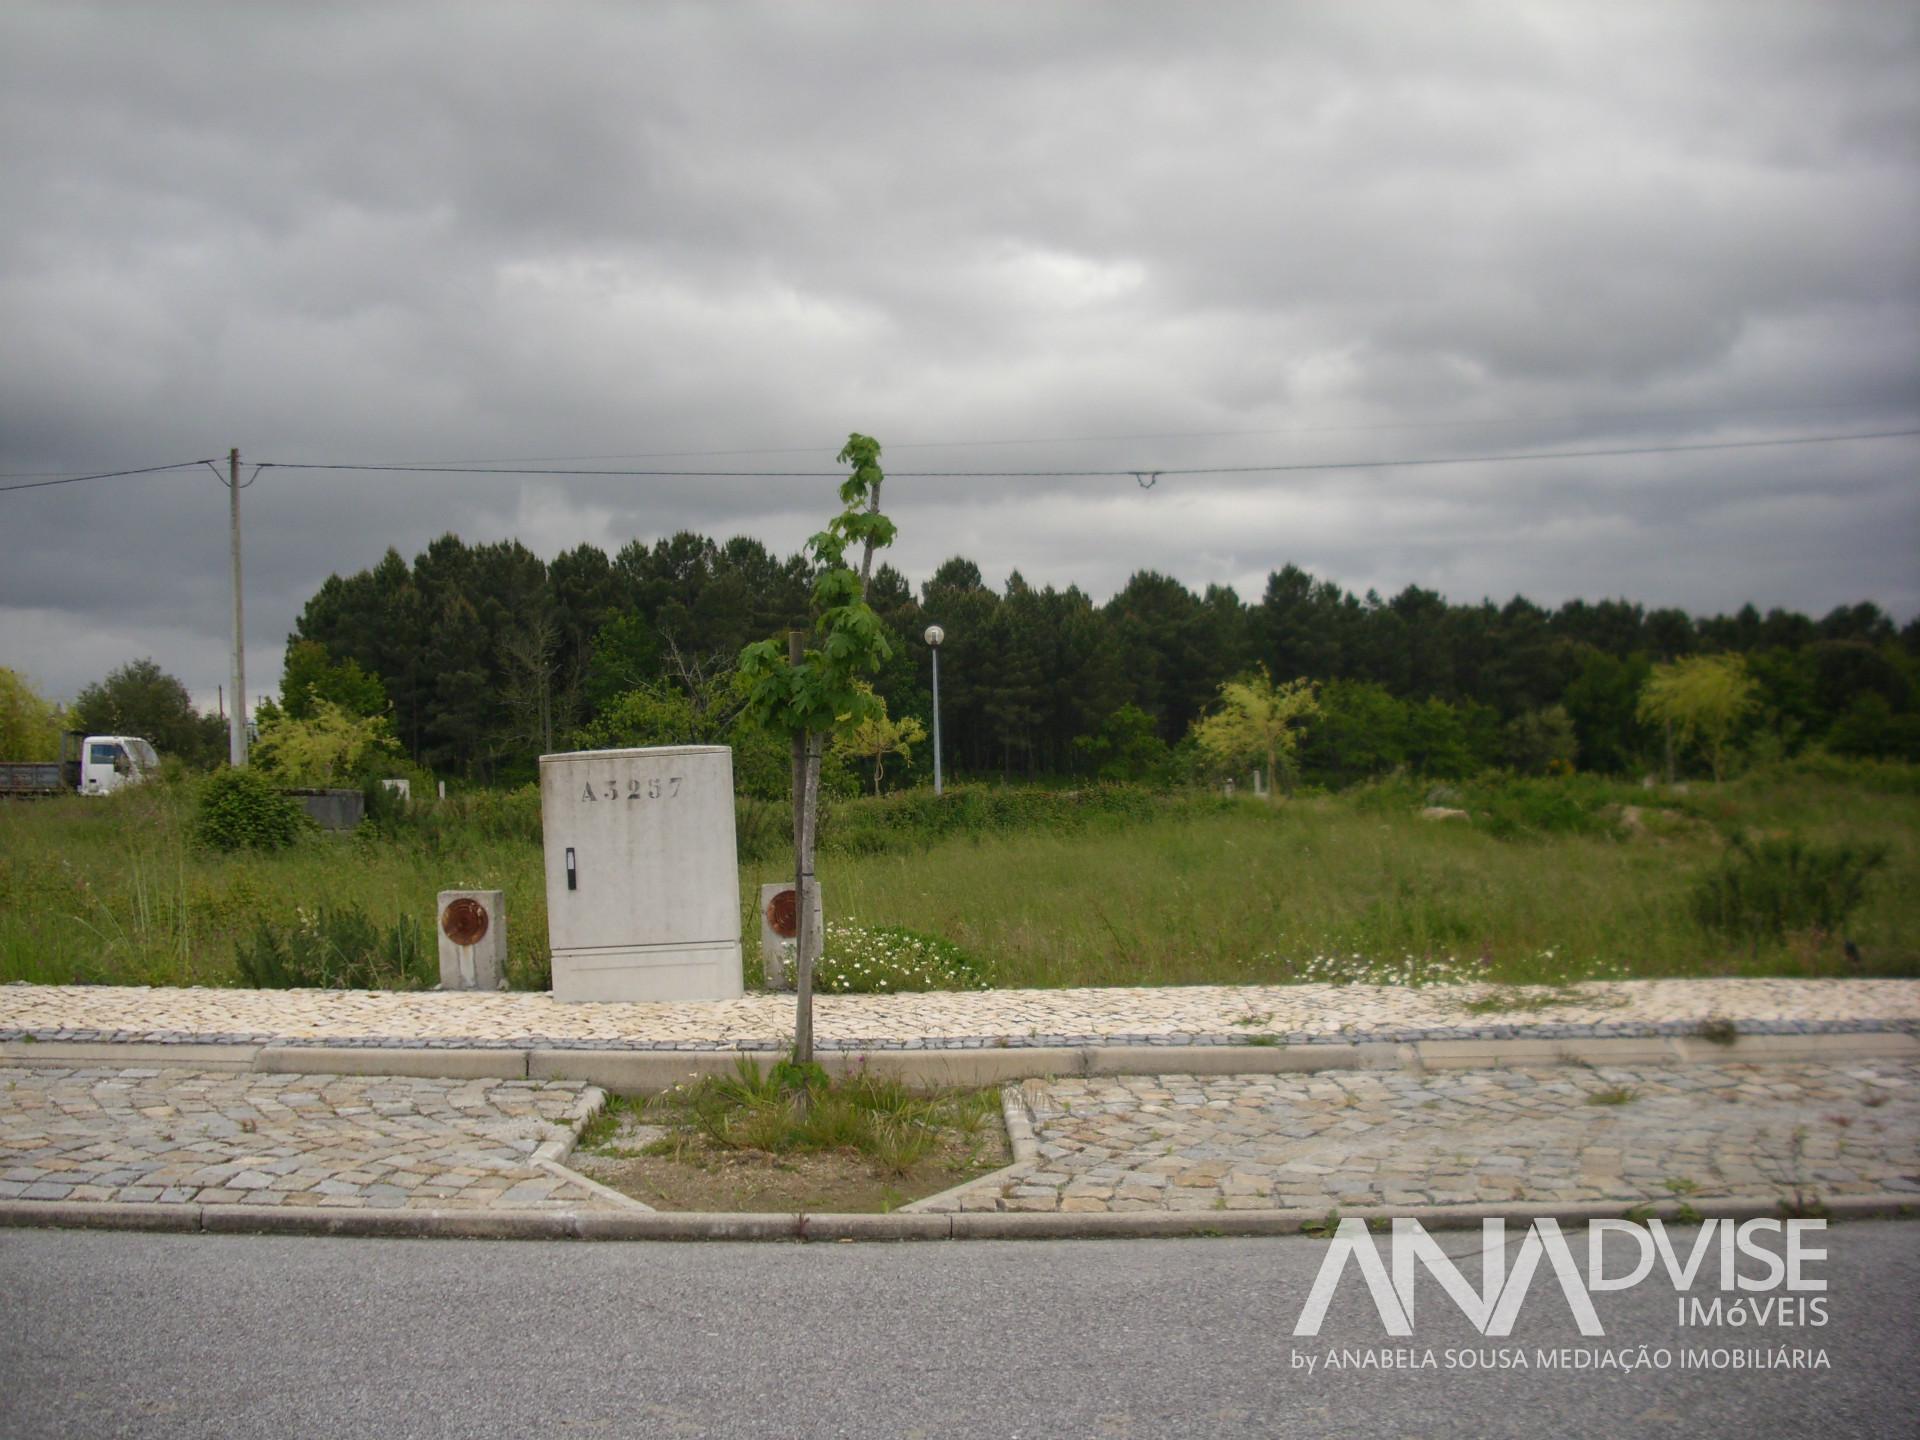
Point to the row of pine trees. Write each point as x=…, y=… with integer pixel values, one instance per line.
x=487, y=657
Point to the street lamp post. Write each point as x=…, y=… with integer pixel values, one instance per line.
x=934, y=636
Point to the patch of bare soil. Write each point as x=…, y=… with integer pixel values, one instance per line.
x=679, y=1172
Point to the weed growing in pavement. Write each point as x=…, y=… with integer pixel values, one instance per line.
x=604, y=1123
x=1323, y=1228
x=1615, y=1095
x=1717, y=1030
x=1509, y=1000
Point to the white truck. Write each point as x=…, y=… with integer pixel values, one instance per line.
x=88, y=764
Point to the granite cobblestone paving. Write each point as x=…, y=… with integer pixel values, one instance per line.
x=1335, y=1140
x=1161, y=1016
x=181, y=1136
x=1318, y=1140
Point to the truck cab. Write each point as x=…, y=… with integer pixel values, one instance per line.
x=108, y=762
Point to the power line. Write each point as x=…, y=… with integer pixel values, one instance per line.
x=1264, y=469
x=816, y=446
x=105, y=475
x=1276, y=468
x=1521, y=455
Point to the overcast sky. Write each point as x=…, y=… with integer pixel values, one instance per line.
x=1134, y=236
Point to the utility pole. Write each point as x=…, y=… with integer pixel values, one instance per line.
x=237, y=718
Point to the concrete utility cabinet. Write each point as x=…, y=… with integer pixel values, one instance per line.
x=643, y=879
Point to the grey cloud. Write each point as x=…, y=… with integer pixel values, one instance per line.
x=475, y=231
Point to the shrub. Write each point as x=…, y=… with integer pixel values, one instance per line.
x=859, y=960
x=1776, y=885
x=240, y=810
x=334, y=948
x=331, y=746
x=1539, y=807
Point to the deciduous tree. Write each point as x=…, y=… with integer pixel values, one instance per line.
x=331, y=746
x=877, y=737
x=810, y=694
x=1259, y=720
x=29, y=725
x=1702, y=698
x=142, y=699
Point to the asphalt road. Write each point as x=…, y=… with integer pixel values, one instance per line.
x=185, y=1336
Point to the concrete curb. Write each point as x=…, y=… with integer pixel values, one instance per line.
x=1017, y=1116
x=420, y=1064
x=651, y=1071
x=897, y=1226
x=552, y=1154
x=130, y=1052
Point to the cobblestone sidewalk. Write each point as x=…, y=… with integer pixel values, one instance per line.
x=1172, y=1015
x=342, y=1142
x=1339, y=1139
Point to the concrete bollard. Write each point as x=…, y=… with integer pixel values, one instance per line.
x=473, y=939
x=779, y=923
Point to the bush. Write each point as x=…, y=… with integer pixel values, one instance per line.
x=1768, y=888
x=240, y=810
x=335, y=948
x=1523, y=807
x=1504, y=806
x=885, y=960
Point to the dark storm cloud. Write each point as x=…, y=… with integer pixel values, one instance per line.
x=469, y=232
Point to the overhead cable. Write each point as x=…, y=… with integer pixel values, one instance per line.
x=1135, y=471
x=105, y=475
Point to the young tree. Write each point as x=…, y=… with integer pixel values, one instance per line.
x=29, y=726
x=878, y=736
x=1703, y=698
x=809, y=690
x=331, y=746
x=1257, y=721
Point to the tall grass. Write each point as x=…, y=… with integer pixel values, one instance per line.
x=1105, y=886
x=113, y=891
x=1563, y=885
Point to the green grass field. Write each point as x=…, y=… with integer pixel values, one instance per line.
x=1550, y=881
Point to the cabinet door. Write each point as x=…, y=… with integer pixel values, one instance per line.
x=652, y=838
